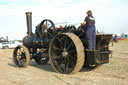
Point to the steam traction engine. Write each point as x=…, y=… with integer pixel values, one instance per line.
x=65, y=48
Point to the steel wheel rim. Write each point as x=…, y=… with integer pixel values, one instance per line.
x=67, y=64
x=21, y=56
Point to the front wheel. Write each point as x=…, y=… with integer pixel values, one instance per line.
x=21, y=56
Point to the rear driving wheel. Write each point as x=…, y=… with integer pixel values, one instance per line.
x=66, y=53
x=21, y=56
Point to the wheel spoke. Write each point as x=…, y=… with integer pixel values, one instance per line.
x=20, y=63
x=65, y=43
x=57, y=57
x=60, y=43
x=62, y=38
x=72, y=63
x=72, y=51
x=69, y=46
x=73, y=58
x=50, y=34
x=46, y=23
x=66, y=65
x=47, y=30
x=50, y=27
x=18, y=57
x=57, y=52
x=56, y=48
x=24, y=60
x=60, y=61
x=19, y=51
x=18, y=54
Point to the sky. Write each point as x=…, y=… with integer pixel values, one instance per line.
x=110, y=15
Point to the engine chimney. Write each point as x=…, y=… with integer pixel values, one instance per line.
x=29, y=22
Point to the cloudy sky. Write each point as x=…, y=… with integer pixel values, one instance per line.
x=110, y=15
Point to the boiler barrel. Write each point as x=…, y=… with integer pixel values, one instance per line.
x=33, y=42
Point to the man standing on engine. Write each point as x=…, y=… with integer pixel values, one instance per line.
x=90, y=30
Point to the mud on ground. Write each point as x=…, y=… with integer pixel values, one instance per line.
x=113, y=73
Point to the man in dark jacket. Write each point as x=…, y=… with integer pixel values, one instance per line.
x=90, y=30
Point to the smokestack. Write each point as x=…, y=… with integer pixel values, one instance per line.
x=29, y=22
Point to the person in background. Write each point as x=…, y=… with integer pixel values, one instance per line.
x=115, y=38
x=90, y=30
